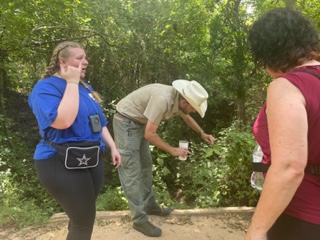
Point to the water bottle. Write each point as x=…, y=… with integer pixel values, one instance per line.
x=257, y=178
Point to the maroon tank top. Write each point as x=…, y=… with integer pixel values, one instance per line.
x=305, y=204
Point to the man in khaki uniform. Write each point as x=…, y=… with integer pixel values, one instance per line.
x=135, y=125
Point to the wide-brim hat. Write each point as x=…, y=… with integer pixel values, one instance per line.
x=194, y=93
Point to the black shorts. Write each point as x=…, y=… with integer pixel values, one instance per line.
x=291, y=228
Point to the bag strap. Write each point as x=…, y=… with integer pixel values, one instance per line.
x=307, y=71
x=71, y=144
x=52, y=144
x=260, y=167
x=310, y=168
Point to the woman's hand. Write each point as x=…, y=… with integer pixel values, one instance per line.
x=116, y=157
x=251, y=235
x=71, y=74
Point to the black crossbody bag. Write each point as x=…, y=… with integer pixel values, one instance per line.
x=78, y=155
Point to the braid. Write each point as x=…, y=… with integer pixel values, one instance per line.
x=61, y=50
x=52, y=68
x=95, y=94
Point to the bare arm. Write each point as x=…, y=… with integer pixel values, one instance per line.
x=108, y=140
x=195, y=126
x=69, y=105
x=151, y=135
x=287, y=124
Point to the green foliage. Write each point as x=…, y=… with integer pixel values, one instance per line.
x=130, y=44
x=160, y=175
x=111, y=200
x=212, y=176
x=23, y=201
x=234, y=153
x=16, y=210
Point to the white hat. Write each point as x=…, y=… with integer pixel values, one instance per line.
x=194, y=93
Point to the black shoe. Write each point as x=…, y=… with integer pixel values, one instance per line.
x=148, y=229
x=159, y=211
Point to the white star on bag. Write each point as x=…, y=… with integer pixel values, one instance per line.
x=84, y=160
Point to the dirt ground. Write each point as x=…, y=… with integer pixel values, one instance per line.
x=201, y=224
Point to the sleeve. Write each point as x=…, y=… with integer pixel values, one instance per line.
x=156, y=108
x=44, y=101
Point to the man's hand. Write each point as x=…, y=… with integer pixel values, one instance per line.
x=207, y=138
x=179, y=152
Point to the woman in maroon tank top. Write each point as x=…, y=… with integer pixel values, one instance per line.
x=287, y=128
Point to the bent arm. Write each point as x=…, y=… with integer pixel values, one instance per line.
x=195, y=126
x=69, y=105
x=151, y=135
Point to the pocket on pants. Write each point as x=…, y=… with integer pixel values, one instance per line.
x=129, y=159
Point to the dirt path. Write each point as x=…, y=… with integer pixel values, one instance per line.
x=204, y=224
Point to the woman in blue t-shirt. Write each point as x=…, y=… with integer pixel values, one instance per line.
x=73, y=131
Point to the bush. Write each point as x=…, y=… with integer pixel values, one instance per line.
x=234, y=152
x=22, y=199
x=14, y=209
x=111, y=200
x=213, y=175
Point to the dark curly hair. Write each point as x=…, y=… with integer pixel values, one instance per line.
x=282, y=39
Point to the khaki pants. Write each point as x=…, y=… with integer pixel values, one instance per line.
x=135, y=172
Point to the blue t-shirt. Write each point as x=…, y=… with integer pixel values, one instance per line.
x=44, y=100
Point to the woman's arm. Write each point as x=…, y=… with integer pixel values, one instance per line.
x=69, y=105
x=108, y=140
x=287, y=125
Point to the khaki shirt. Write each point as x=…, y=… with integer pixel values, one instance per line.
x=153, y=102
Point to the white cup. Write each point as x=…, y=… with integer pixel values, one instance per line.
x=183, y=144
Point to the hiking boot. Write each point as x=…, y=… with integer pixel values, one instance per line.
x=159, y=211
x=148, y=229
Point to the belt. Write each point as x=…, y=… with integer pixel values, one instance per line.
x=310, y=168
x=133, y=120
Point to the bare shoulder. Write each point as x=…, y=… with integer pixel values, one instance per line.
x=281, y=89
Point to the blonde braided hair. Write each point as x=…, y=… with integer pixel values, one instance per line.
x=62, y=51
